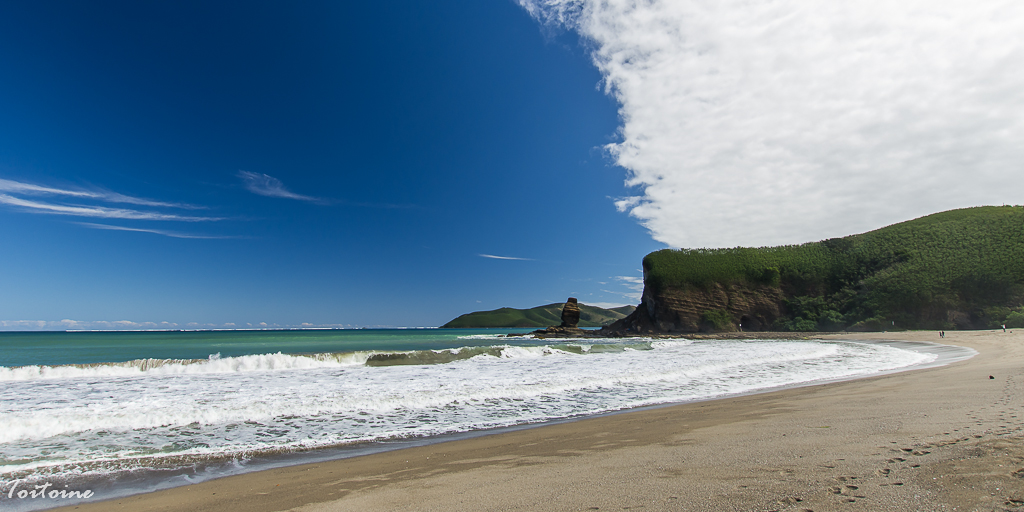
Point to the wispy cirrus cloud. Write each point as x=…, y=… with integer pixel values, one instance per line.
x=164, y=232
x=493, y=257
x=17, y=187
x=269, y=186
x=97, y=204
x=635, y=285
x=385, y=206
x=607, y=305
x=762, y=122
x=97, y=211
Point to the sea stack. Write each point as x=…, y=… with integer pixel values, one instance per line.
x=570, y=324
x=570, y=313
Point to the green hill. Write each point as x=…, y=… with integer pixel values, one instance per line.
x=540, y=316
x=956, y=269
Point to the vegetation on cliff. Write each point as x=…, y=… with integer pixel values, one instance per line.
x=956, y=269
x=540, y=316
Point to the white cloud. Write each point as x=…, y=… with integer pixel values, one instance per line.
x=493, y=257
x=172, y=234
x=113, y=325
x=757, y=122
x=266, y=185
x=81, y=325
x=96, y=211
x=22, y=325
x=635, y=285
x=607, y=305
x=103, y=195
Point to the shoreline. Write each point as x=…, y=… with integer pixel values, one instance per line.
x=584, y=447
x=204, y=470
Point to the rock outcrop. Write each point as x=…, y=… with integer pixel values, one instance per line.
x=570, y=313
x=570, y=320
x=717, y=308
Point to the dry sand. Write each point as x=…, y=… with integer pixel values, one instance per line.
x=947, y=438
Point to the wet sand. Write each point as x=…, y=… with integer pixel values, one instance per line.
x=931, y=439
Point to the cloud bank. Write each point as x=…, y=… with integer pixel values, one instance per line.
x=761, y=122
x=129, y=325
x=73, y=325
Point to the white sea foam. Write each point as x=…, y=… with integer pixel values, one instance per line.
x=114, y=418
x=275, y=362
x=215, y=364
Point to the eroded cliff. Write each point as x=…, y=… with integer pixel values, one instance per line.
x=715, y=308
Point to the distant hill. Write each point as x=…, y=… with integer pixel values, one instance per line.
x=540, y=316
x=959, y=269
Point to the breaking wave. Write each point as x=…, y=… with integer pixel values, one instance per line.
x=280, y=361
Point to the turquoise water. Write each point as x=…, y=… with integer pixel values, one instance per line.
x=62, y=348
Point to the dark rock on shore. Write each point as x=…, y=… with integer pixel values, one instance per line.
x=570, y=320
x=565, y=332
x=570, y=313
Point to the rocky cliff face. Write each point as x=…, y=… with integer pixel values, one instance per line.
x=718, y=308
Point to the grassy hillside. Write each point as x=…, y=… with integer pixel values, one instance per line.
x=961, y=268
x=540, y=316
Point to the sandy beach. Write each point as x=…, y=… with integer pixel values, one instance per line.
x=946, y=438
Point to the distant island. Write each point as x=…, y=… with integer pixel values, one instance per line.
x=540, y=316
x=959, y=269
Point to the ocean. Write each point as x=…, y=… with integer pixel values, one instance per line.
x=126, y=412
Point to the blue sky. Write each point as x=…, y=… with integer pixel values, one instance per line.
x=234, y=164
x=207, y=164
